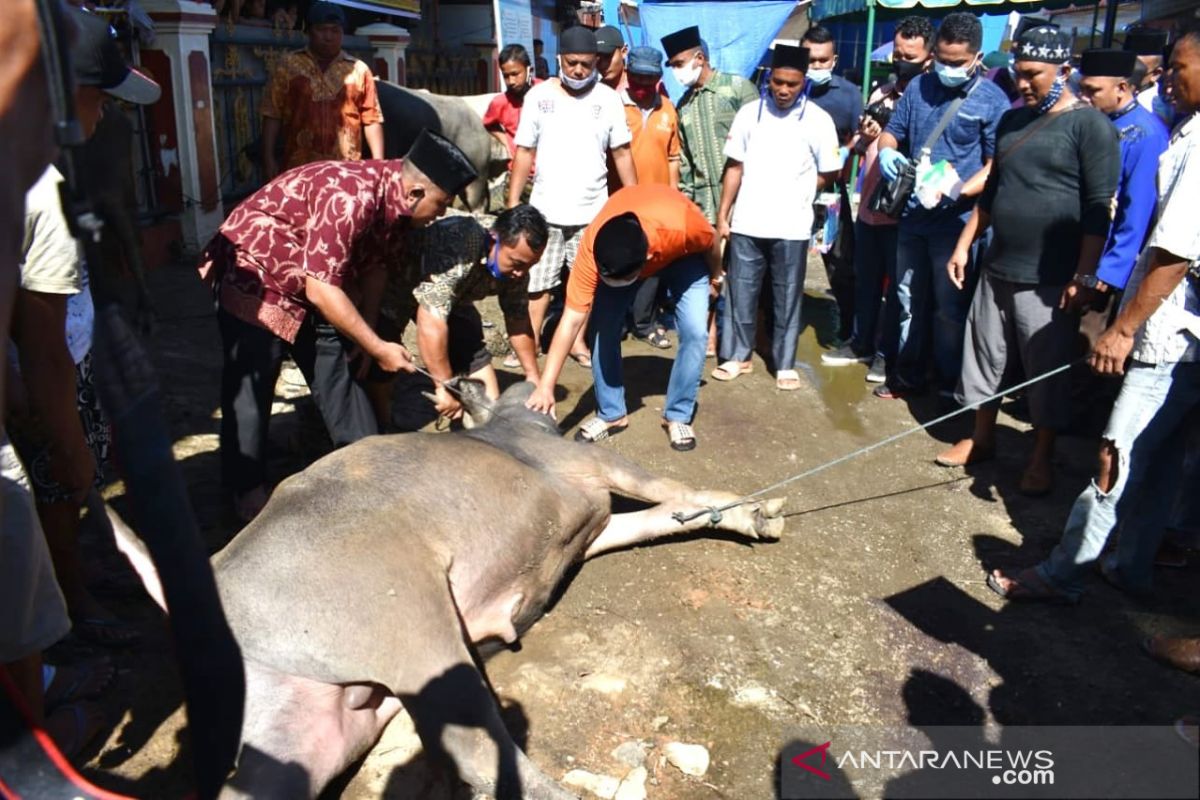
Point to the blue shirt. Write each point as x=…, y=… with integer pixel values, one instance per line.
x=1143, y=139
x=967, y=142
x=841, y=100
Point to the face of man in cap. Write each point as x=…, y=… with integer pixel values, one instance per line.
x=642, y=89
x=325, y=39
x=1105, y=93
x=577, y=65
x=786, y=84
x=426, y=200
x=1035, y=79
x=612, y=65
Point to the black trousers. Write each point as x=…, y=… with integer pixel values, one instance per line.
x=643, y=314
x=253, y=356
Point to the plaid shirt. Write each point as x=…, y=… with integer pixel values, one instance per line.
x=443, y=267
x=332, y=220
x=705, y=116
x=323, y=113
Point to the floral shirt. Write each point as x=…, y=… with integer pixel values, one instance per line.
x=332, y=220
x=444, y=266
x=323, y=113
x=705, y=116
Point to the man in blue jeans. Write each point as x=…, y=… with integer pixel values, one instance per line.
x=932, y=312
x=1142, y=451
x=642, y=230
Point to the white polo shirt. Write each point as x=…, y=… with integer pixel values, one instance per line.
x=1172, y=333
x=782, y=153
x=572, y=136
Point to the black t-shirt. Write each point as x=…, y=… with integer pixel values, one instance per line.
x=1056, y=186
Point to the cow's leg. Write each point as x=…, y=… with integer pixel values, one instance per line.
x=299, y=734
x=758, y=520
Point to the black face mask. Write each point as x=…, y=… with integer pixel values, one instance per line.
x=907, y=70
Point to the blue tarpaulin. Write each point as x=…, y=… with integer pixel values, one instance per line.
x=737, y=32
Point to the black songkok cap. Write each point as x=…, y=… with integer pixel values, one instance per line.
x=1025, y=23
x=686, y=39
x=787, y=56
x=620, y=247
x=441, y=161
x=577, y=40
x=1046, y=44
x=1145, y=41
x=1107, y=63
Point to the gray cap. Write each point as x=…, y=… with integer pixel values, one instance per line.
x=609, y=40
x=645, y=61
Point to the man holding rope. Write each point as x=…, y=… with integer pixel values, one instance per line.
x=1141, y=456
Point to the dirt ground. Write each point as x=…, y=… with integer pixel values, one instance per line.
x=871, y=610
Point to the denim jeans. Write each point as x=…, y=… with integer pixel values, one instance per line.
x=750, y=260
x=1147, y=427
x=687, y=282
x=874, y=260
x=932, y=313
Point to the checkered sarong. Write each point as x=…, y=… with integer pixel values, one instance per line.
x=561, y=247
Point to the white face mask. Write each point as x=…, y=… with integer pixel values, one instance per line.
x=578, y=84
x=687, y=76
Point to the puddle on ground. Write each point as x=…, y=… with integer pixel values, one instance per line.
x=841, y=388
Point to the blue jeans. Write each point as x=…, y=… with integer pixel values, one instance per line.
x=1147, y=428
x=874, y=260
x=687, y=282
x=749, y=261
x=932, y=313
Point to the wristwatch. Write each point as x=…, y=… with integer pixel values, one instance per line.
x=1087, y=281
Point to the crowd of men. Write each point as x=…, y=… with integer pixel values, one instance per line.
x=1051, y=190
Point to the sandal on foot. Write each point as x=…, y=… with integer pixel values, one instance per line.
x=596, y=429
x=106, y=632
x=511, y=361
x=682, y=437
x=731, y=370
x=659, y=339
x=582, y=359
x=82, y=681
x=787, y=380
x=1027, y=585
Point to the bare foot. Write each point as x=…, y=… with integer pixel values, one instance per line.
x=963, y=454
x=1037, y=480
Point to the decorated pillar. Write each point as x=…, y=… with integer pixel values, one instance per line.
x=182, y=121
x=390, y=43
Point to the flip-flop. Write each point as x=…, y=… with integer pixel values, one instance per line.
x=681, y=436
x=787, y=380
x=82, y=681
x=511, y=361
x=106, y=632
x=582, y=359
x=596, y=429
x=731, y=370
x=1024, y=590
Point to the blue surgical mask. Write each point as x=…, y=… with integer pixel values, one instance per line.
x=951, y=76
x=493, y=263
x=819, y=77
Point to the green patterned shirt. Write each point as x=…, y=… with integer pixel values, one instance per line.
x=442, y=267
x=705, y=115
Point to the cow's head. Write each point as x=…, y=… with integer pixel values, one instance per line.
x=509, y=410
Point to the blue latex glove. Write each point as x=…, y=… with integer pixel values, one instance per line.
x=891, y=161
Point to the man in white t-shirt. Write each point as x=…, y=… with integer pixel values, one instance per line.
x=571, y=122
x=780, y=153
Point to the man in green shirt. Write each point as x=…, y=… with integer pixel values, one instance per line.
x=706, y=112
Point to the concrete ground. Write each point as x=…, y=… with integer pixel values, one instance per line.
x=871, y=610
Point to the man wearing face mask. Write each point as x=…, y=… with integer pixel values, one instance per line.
x=931, y=310
x=444, y=270
x=1047, y=199
x=875, y=233
x=706, y=112
x=572, y=123
x=838, y=97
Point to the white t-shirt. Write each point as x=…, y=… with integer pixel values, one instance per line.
x=572, y=136
x=781, y=153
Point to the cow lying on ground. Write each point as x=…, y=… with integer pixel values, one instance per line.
x=369, y=576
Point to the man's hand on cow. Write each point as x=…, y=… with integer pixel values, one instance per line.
x=393, y=357
x=542, y=400
x=1110, y=352
x=447, y=404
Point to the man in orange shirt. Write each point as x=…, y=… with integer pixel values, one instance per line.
x=643, y=230
x=654, y=124
x=322, y=99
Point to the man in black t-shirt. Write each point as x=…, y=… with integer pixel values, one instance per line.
x=1049, y=201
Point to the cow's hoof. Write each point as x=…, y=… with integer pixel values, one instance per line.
x=768, y=522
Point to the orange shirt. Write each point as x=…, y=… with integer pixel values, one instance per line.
x=655, y=142
x=322, y=112
x=674, y=226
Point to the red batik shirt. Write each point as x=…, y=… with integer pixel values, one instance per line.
x=330, y=220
